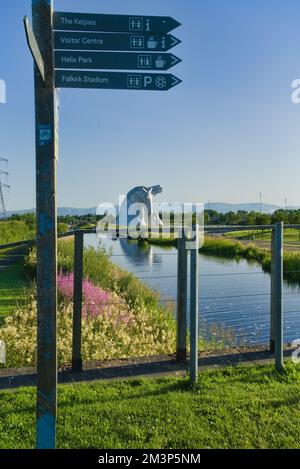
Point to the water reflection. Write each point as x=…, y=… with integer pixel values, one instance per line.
x=234, y=294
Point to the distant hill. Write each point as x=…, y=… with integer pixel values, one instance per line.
x=218, y=206
x=62, y=211
x=250, y=207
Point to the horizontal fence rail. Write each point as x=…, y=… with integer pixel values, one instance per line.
x=207, y=229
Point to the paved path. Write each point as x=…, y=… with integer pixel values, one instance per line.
x=147, y=367
x=11, y=257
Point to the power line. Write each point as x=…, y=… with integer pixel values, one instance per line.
x=2, y=185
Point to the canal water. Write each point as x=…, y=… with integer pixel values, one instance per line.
x=234, y=296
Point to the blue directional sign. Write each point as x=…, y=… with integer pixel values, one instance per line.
x=115, y=80
x=64, y=40
x=113, y=23
x=114, y=60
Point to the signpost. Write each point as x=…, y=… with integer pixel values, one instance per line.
x=114, y=23
x=115, y=60
x=115, y=81
x=114, y=42
x=46, y=159
x=147, y=38
x=34, y=48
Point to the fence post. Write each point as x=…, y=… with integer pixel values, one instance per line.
x=77, y=303
x=273, y=289
x=194, y=321
x=278, y=296
x=181, y=299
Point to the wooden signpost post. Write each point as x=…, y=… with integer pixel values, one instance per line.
x=40, y=42
x=91, y=33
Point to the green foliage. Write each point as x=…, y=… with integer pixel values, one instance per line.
x=117, y=331
x=62, y=228
x=13, y=231
x=237, y=408
x=153, y=325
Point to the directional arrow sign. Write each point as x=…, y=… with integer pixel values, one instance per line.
x=113, y=23
x=34, y=48
x=115, y=81
x=114, y=42
x=114, y=60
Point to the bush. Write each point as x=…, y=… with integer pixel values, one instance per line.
x=114, y=330
x=13, y=231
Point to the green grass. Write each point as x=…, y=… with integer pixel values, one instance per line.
x=289, y=235
x=12, y=285
x=244, y=407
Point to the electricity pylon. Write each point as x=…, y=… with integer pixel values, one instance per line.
x=2, y=185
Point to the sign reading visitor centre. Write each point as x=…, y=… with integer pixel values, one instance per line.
x=114, y=42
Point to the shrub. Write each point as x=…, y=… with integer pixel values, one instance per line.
x=109, y=331
x=13, y=231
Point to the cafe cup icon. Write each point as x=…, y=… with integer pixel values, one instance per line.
x=160, y=62
x=152, y=43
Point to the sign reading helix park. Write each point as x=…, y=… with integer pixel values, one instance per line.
x=114, y=60
x=114, y=42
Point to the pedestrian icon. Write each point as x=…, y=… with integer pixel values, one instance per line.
x=137, y=42
x=144, y=61
x=136, y=24
x=148, y=26
x=163, y=43
x=134, y=81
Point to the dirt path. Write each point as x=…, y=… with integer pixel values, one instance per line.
x=12, y=257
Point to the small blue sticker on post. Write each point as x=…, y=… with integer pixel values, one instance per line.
x=44, y=135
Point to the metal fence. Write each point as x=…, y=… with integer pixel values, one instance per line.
x=187, y=288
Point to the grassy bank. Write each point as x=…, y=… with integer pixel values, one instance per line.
x=122, y=317
x=244, y=407
x=12, y=287
x=289, y=235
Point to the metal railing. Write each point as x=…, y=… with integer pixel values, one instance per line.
x=183, y=277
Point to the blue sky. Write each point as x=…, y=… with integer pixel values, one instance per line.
x=226, y=133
